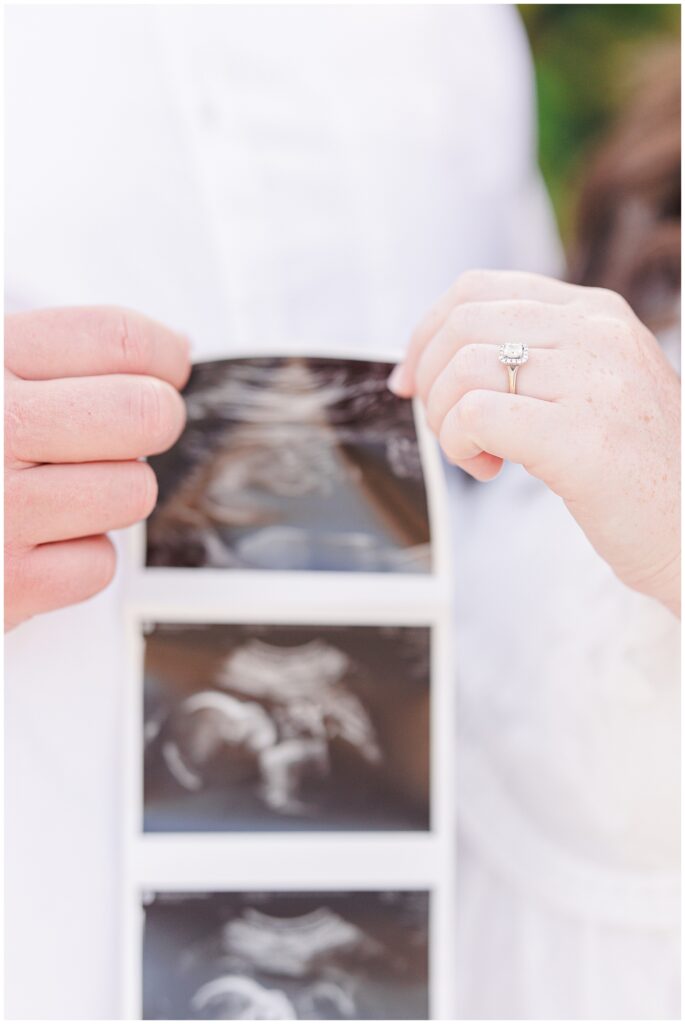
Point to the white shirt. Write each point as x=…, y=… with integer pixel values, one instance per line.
x=320, y=174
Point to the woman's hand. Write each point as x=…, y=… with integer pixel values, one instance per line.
x=87, y=393
x=596, y=414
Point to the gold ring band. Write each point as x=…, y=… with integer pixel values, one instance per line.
x=513, y=354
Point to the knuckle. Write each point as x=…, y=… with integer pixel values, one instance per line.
x=423, y=379
x=102, y=563
x=458, y=317
x=619, y=304
x=143, y=490
x=462, y=369
x=445, y=435
x=466, y=317
x=611, y=300
x=448, y=436
x=524, y=310
x=435, y=406
x=154, y=410
x=471, y=283
x=432, y=415
x=469, y=409
x=466, y=358
x=148, y=411
x=131, y=342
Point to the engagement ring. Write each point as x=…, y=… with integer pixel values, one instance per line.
x=513, y=354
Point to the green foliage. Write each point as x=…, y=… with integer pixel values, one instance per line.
x=584, y=57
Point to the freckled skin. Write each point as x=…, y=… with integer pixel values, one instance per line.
x=596, y=415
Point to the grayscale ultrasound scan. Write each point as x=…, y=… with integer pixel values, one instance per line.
x=263, y=727
x=292, y=463
x=286, y=956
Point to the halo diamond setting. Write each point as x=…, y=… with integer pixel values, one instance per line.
x=513, y=353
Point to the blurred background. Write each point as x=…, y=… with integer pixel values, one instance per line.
x=586, y=58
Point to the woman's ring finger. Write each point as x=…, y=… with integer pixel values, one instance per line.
x=496, y=368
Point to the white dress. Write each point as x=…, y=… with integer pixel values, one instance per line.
x=568, y=770
x=320, y=174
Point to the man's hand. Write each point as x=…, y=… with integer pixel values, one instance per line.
x=88, y=392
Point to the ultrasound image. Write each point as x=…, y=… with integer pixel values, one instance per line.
x=292, y=464
x=265, y=727
x=286, y=956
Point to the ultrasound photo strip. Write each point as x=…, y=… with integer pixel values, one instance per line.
x=299, y=536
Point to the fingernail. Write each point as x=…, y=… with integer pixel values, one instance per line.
x=398, y=381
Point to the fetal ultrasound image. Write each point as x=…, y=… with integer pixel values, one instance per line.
x=263, y=727
x=292, y=464
x=286, y=956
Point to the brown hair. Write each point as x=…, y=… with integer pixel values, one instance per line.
x=628, y=217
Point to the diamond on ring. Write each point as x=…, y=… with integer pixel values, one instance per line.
x=513, y=353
